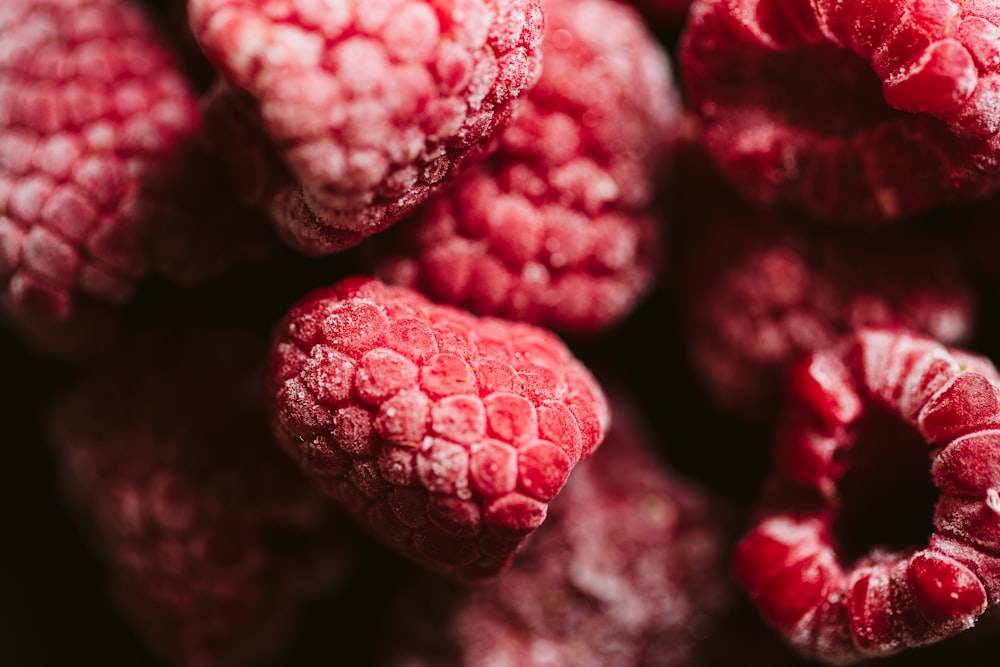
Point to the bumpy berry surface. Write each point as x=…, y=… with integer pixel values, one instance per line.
x=757, y=288
x=90, y=107
x=626, y=572
x=212, y=535
x=556, y=228
x=444, y=434
x=856, y=111
x=370, y=104
x=931, y=400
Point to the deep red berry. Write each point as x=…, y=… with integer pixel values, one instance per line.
x=627, y=571
x=212, y=535
x=557, y=227
x=445, y=435
x=369, y=105
x=855, y=111
x=758, y=288
x=91, y=105
x=898, y=394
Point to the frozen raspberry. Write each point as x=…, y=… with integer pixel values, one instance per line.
x=557, y=228
x=628, y=571
x=839, y=564
x=212, y=535
x=855, y=111
x=90, y=106
x=757, y=288
x=445, y=435
x=369, y=104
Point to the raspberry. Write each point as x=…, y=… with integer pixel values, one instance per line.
x=443, y=434
x=557, y=228
x=370, y=104
x=625, y=572
x=90, y=107
x=855, y=111
x=859, y=416
x=757, y=288
x=211, y=534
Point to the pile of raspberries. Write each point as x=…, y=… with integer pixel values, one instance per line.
x=501, y=333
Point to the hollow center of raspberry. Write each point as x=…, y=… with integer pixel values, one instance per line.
x=826, y=89
x=886, y=492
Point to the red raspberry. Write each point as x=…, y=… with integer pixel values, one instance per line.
x=759, y=288
x=556, y=228
x=212, y=535
x=859, y=415
x=370, y=104
x=445, y=435
x=90, y=105
x=627, y=571
x=856, y=111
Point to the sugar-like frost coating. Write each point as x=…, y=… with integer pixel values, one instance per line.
x=369, y=105
x=445, y=435
x=793, y=563
x=557, y=227
x=855, y=111
x=91, y=104
x=625, y=572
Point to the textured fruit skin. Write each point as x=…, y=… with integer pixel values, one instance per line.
x=369, y=104
x=888, y=600
x=557, y=228
x=443, y=434
x=625, y=572
x=758, y=288
x=861, y=112
x=211, y=534
x=91, y=106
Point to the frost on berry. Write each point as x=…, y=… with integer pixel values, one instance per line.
x=89, y=102
x=828, y=565
x=364, y=108
x=101, y=178
x=556, y=228
x=445, y=435
x=758, y=288
x=855, y=111
x=626, y=571
x=211, y=535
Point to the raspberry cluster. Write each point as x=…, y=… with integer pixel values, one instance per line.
x=305, y=265
x=557, y=228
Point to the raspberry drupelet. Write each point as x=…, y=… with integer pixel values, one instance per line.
x=368, y=106
x=756, y=288
x=445, y=435
x=212, y=536
x=628, y=571
x=90, y=104
x=858, y=112
x=557, y=227
x=865, y=421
